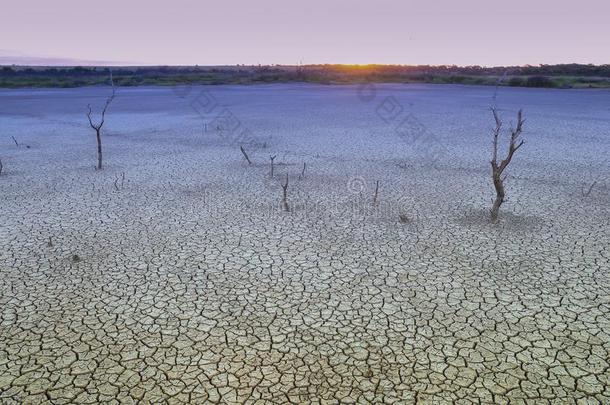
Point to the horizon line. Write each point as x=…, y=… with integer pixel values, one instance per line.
x=127, y=65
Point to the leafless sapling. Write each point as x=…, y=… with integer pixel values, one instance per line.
x=98, y=127
x=497, y=168
x=272, y=159
x=285, y=206
x=243, y=151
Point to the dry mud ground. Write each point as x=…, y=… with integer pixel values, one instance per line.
x=190, y=284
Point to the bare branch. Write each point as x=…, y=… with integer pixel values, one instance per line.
x=496, y=135
x=89, y=112
x=243, y=151
x=108, y=101
x=302, y=175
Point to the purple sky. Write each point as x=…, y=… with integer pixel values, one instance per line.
x=312, y=31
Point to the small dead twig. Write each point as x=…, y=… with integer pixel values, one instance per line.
x=245, y=154
x=1, y=166
x=272, y=159
x=588, y=192
x=302, y=175
x=116, y=182
x=285, y=206
x=375, y=202
x=14, y=140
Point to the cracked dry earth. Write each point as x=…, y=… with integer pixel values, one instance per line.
x=184, y=282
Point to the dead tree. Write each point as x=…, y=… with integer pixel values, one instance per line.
x=243, y=151
x=497, y=169
x=272, y=159
x=285, y=206
x=98, y=127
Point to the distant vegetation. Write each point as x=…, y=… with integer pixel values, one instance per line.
x=552, y=76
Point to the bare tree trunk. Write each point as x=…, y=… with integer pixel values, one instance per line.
x=99, y=149
x=272, y=159
x=500, y=194
x=285, y=206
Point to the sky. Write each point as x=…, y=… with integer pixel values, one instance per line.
x=229, y=32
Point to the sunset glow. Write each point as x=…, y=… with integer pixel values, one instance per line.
x=274, y=32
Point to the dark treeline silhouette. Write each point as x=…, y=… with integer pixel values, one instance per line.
x=565, y=75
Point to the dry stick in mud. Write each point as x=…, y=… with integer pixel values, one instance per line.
x=588, y=192
x=1, y=166
x=272, y=159
x=302, y=175
x=497, y=169
x=116, y=182
x=243, y=151
x=285, y=206
x=14, y=140
x=376, y=193
x=98, y=127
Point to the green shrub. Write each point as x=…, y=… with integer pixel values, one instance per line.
x=516, y=82
x=539, y=81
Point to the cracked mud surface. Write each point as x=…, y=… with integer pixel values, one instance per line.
x=191, y=285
